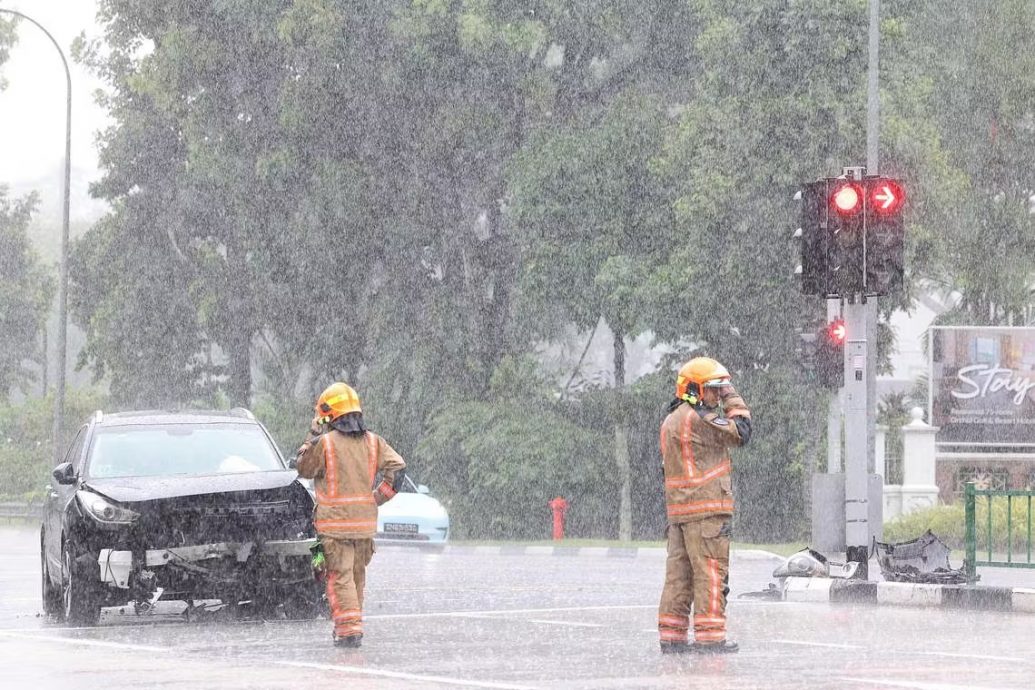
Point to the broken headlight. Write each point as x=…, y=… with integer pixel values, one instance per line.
x=103, y=510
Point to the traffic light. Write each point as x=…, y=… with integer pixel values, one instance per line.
x=845, y=236
x=885, y=235
x=852, y=236
x=830, y=354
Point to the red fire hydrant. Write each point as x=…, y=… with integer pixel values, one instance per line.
x=559, y=506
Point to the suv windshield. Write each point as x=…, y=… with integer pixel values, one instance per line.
x=169, y=449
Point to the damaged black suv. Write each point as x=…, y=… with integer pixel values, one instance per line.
x=176, y=506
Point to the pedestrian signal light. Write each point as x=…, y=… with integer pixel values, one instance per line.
x=836, y=332
x=847, y=199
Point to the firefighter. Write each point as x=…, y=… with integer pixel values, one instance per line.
x=344, y=458
x=705, y=420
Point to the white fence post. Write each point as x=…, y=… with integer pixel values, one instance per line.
x=919, y=489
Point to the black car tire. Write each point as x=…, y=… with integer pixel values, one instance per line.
x=306, y=601
x=52, y=602
x=81, y=603
x=301, y=601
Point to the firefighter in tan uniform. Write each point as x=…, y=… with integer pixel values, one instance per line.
x=344, y=458
x=706, y=419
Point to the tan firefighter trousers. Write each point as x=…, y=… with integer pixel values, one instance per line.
x=347, y=561
x=696, y=574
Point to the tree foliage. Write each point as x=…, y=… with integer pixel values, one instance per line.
x=26, y=291
x=420, y=196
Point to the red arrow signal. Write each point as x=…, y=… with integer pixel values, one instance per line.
x=886, y=196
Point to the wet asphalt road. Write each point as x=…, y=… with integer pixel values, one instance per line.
x=454, y=619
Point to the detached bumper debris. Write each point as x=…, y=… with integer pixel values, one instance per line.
x=811, y=563
x=923, y=560
x=804, y=563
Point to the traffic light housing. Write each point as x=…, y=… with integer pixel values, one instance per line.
x=846, y=236
x=830, y=354
x=885, y=236
x=813, y=246
x=852, y=236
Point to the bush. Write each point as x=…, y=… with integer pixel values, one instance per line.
x=26, y=447
x=948, y=522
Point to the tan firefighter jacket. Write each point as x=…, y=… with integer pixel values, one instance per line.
x=695, y=454
x=344, y=467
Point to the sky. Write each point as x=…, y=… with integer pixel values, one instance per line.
x=32, y=109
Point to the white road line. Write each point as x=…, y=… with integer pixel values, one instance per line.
x=504, y=612
x=917, y=684
x=1014, y=659
x=298, y=664
x=86, y=643
x=573, y=623
x=818, y=644
x=405, y=676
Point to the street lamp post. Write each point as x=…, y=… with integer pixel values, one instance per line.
x=62, y=335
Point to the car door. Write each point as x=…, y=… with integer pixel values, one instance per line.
x=58, y=496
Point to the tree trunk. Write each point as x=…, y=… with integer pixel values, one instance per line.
x=622, y=444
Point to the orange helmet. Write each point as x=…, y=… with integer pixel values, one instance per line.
x=698, y=373
x=337, y=399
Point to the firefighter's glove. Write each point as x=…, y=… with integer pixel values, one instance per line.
x=318, y=561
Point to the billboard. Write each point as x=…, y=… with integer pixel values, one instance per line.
x=983, y=385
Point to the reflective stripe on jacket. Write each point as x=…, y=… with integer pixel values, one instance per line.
x=695, y=455
x=343, y=467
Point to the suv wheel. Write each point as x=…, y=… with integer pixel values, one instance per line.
x=306, y=601
x=52, y=603
x=81, y=606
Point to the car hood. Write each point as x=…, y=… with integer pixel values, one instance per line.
x=412, y=505
x=135, y=489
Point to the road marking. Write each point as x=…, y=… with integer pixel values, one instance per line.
x=917, y=685
x=573, y=623
x=485, y=616
x=504, y=612
x=978, y=656
x=819, y=644
x=405, y=676
x=86, y=643
x=299, y=664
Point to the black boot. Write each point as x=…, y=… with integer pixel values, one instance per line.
x=724, y=647
x=351, y=641
x=668, y=647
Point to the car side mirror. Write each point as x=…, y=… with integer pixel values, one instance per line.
x=423, y=489
x=64, y=473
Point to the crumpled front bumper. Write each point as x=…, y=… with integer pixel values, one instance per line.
x=116, y=565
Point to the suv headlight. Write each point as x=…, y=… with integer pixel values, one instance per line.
x=104, y=510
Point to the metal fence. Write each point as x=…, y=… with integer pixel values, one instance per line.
x=15, y=511
x=1001, y=506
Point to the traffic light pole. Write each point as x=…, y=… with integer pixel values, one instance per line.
x=860, y=355
x=857, y=370
x=834, y=409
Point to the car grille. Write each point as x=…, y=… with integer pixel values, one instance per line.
x=232, y=522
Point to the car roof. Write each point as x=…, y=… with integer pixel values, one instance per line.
x=158, y=417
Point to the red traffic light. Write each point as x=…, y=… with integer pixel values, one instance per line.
x=847, y=199
x=886, y=196
x=837, y=331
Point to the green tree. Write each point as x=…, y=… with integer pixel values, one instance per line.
x=588, y=214
x=980, y=96
x=26, y=291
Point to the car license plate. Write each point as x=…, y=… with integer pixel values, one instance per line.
x=400, y=528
